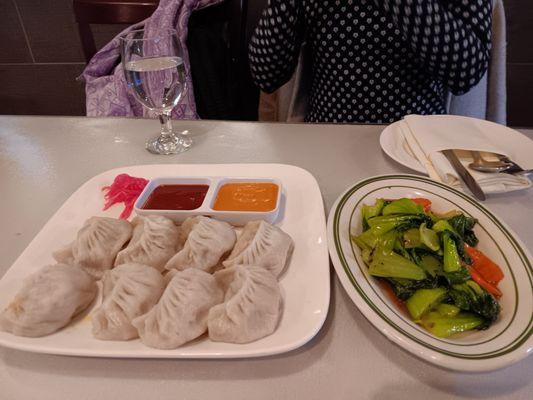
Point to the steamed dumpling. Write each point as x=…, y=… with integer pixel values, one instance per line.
x=186, y=228
x=48, y=300
x=251, y=308
x=129, y=291
x=181, y=314
x=263, y=245
x=206, y=243
x=154, y=241
x=96, y=245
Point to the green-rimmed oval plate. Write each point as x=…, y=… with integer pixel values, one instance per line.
x=508, y=340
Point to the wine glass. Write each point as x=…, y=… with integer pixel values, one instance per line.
x=155, y=74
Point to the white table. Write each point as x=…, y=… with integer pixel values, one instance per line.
x=44, y=159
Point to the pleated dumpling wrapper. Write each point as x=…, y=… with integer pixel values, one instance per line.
x=263, y=245
x=129, y=291
x=96, y=245
x=155, y=240
x=48, y=300
x=181, y=313
x=208, y=240
x=251, y=308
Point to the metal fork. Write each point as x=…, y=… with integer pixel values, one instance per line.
x=515, y=168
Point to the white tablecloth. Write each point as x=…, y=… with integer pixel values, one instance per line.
x=44, y=159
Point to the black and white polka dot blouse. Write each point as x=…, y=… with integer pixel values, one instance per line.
x=374, y=60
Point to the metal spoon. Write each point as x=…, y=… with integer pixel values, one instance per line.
x=482, y=165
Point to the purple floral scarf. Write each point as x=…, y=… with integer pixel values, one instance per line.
x=106, y=89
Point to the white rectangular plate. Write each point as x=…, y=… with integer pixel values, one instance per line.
x=305, y=283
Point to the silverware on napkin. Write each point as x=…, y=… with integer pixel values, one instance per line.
x=465, y=176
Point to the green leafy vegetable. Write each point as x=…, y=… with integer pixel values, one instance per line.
x=393, y=265
x=430, y=264
x=460, y=276
x=402, y=206
x=365, y=241
x=464, y=226
x=446, y=215
x=369, y=238
x=447, y=310
x=366, y=254
x=399, y=222
x=383, y=224
x=443, y=326
x=422, y=256
x=460, y=245
x=442, y=225
x=368, y=212
x=452, y=260
x=429, y=237
x=470, y=296
x=426, y=259
x=423, y=300
x=405, y=288
x=385, y=243
x=411, y=238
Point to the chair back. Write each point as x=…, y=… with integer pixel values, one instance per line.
x=88, y=12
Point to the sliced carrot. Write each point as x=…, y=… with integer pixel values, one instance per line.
x=423, y=202
x=489, y=270
x=476, y=277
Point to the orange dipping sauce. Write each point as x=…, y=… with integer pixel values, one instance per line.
x=247, y=196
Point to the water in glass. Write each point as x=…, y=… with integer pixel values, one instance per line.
x=155, y=74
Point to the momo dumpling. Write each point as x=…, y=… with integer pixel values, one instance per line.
x=96, y=245
x=206, y=243
x=186, y=228
x=48, y=300
x=154, y=241
x=251, y=308
x=181, y=313
x=129, y=291
x=263, y=245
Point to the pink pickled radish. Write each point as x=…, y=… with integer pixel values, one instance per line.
x=124, y=189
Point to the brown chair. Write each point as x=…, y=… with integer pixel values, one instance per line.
x=89, y=12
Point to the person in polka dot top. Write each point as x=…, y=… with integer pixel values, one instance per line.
x=374, y=61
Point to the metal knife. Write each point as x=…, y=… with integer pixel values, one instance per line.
x=465, y=176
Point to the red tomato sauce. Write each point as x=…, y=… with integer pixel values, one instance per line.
x=176, y=197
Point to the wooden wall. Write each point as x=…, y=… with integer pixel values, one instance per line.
x=40, y=57
x=519, y=62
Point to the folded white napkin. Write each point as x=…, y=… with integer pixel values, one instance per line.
x=427, y=136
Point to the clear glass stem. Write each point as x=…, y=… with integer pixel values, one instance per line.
x=166, y=124
x=168, y=142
